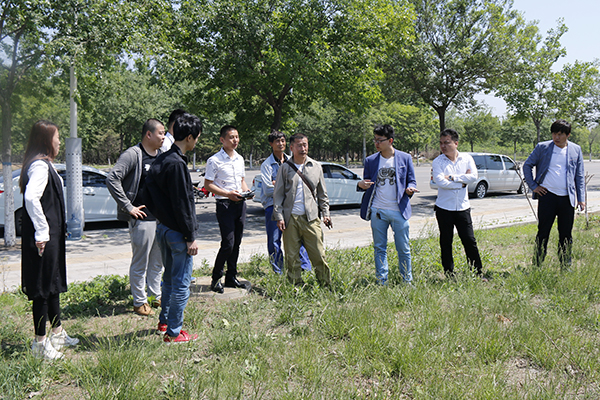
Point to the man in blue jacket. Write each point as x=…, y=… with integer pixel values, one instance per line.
x=388, y=182
x=559, y=185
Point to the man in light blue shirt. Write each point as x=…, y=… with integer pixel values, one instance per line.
x=559, y=186
x=268, y=173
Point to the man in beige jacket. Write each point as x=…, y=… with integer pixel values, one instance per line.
x=297, y=202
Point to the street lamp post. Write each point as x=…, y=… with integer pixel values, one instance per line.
x=75, y=218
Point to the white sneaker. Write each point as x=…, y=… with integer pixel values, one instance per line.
x=45, y=350
x=59, y=340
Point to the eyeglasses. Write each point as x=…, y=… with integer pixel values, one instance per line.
x=379, y=141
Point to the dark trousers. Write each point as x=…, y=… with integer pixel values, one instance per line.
x=551, y=206
x=447, y=220
x=44, y=310
x=231, y=216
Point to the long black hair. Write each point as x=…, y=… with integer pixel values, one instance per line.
x=39, y=147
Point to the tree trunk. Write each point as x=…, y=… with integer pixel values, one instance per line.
x=591, y=142
x=441, y=111
x=10, y=238
x=364, y=149
x=538, y=129
x=277, y=117
x=347, y=153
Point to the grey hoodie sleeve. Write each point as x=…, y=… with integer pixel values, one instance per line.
x=114, y=182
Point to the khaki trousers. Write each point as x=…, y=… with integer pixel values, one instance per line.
x=300, y=231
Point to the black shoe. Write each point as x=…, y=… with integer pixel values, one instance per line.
x=216, y=287
x=234, y=283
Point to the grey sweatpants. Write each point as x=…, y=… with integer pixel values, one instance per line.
x=146, y=263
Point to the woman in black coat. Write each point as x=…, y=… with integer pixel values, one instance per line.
x=43, y=259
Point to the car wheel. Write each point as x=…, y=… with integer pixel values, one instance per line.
x=521, y=189
x=481, y=190
x=18, y=221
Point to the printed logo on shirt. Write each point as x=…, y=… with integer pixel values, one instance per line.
x=147, y=167
x=385, y=174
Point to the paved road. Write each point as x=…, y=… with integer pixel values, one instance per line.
x=108, y=251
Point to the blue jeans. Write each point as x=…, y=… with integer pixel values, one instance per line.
x=176, y=278
x=380, y=221
x=274, y=245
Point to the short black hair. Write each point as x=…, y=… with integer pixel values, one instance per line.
x=450, y=132
x=173, y=117
x=186, y=125
x=274, y=135
x=297, y=136
x=226, y=129
x=384, y=130
x=150, y=125
x=561, y=126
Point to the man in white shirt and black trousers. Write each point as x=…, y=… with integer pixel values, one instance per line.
x=226, y=178
x=453, y=172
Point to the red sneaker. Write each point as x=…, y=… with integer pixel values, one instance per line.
x=162, y=328
x=182, y=338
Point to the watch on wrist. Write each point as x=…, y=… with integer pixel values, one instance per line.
x=450, y=177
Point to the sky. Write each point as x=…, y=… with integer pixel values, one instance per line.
x=582, y=40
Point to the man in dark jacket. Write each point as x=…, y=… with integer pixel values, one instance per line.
x=169, y=196
x=126, y=182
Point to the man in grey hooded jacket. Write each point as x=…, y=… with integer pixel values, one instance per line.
x=125, y=183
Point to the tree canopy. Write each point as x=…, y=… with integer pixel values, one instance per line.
x=264, y=59
x=329, y=68
x=536, y=92
x=529, y=91
x=479, y=125
x=462, y=47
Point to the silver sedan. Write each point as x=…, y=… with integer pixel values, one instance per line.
x=98, y=204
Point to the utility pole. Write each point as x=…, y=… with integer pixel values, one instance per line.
x=75, y=218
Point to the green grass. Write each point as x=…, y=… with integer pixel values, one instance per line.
x=528, y=333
